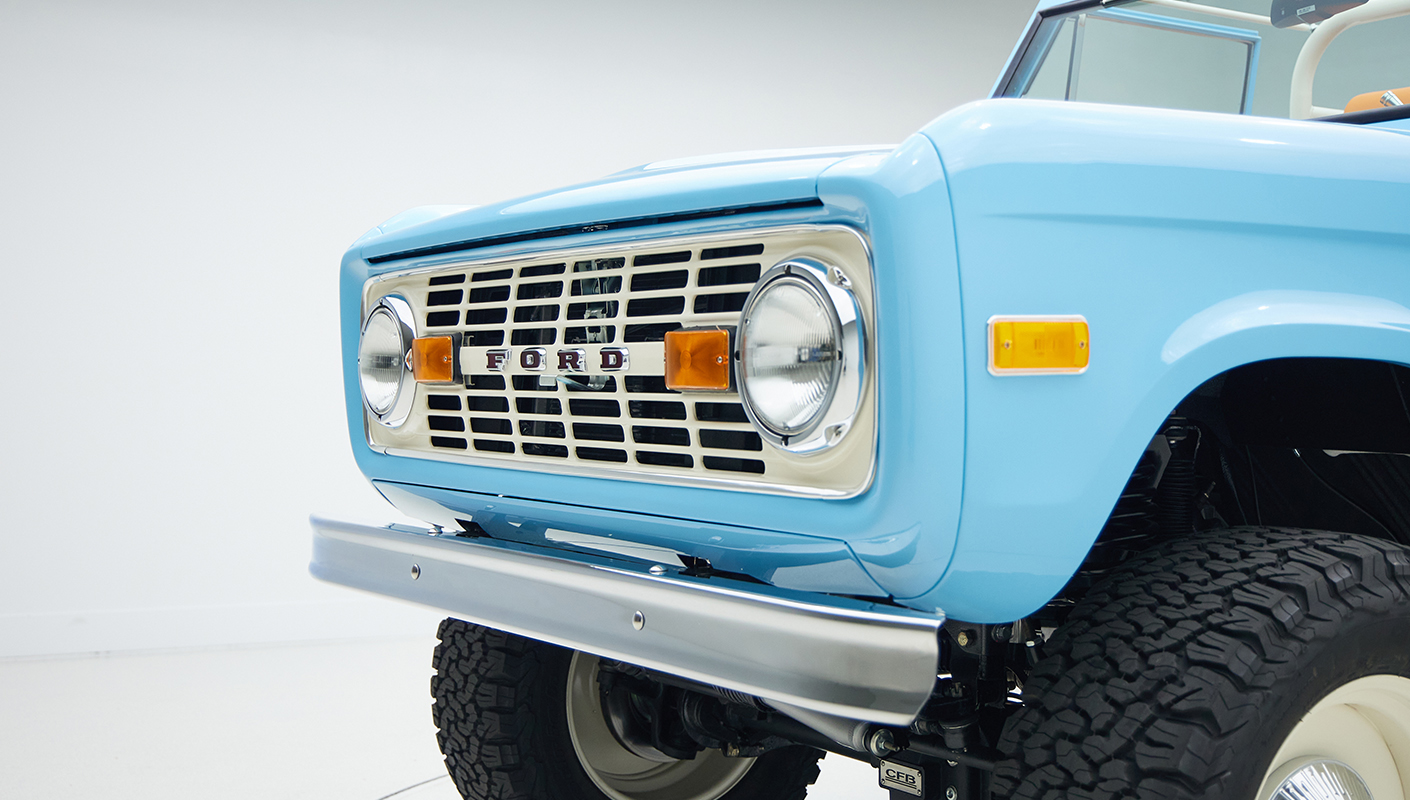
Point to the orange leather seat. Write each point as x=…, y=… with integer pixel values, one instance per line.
x=1370, y=100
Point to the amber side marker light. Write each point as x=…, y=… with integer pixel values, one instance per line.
x=1030, y=345
x=698, y=361
x=433, y=359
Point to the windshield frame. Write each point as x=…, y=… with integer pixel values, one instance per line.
x=1006, y=79
x=1050, y=27
x=1046, y=24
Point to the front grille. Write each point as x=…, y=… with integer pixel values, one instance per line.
x=624, y=422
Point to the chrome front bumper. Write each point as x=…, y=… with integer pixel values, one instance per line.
x=844, y=658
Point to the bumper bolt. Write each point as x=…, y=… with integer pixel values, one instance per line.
x=415, y=571
x=638, y=620
x=881, y=743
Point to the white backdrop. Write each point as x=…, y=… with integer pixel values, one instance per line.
x=178, y=181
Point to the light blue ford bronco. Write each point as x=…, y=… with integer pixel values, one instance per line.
x=1056, y=452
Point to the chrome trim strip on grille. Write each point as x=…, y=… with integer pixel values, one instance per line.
x=616, y=420
x=870, y=663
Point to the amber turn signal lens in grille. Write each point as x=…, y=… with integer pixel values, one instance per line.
x=698, y=360
x=433, y=359
x=1038, y=345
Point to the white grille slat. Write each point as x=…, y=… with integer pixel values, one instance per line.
x=765, y=469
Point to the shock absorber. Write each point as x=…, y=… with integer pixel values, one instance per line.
x=1175, y=496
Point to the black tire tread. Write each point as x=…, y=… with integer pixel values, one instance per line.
x=481, y=710
x=1163, y=673
x=493, y=738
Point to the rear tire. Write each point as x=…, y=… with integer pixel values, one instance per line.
x=1187, y=672
x=508, y=729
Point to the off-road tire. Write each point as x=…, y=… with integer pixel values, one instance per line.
x=502, y=725
x=1179, y=675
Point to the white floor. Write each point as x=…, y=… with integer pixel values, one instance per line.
x=347, y=720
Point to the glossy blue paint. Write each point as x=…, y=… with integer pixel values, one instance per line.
x=1193, y=243
x=785, y=560
x=913, y=510
x=753, y=156
x=642, y=192
x=1239, y=321
x=408, y=219
x=1396, y=125
x=902, y=529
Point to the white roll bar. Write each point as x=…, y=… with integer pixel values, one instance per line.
x=1300, y=105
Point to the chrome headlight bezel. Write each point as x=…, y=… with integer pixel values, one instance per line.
x=838, y=410
x=398, y=310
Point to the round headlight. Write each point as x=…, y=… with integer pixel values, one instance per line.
x=382, y=369
x=800, y=356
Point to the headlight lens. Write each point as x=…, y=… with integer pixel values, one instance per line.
x=789, y=356
x=381, y=361
x=800, y=362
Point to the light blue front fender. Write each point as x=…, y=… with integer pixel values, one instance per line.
x=1192, y=243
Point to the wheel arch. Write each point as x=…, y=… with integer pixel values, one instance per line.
x=1259, y=326
x=1208, y=346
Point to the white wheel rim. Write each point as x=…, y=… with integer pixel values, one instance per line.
x=1364, y=726
x=622, y=775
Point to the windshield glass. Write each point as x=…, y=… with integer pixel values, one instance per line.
x=1223, y=55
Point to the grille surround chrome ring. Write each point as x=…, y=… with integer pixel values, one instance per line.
x=838, y=409
x=449, y=423
x=399, y=310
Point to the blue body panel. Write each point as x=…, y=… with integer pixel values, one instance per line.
x=789, y=561
x=1396, y=125
x=902, y=529
x=632, y=194
x=1192, y=243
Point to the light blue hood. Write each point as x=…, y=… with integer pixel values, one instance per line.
x=652, y=191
